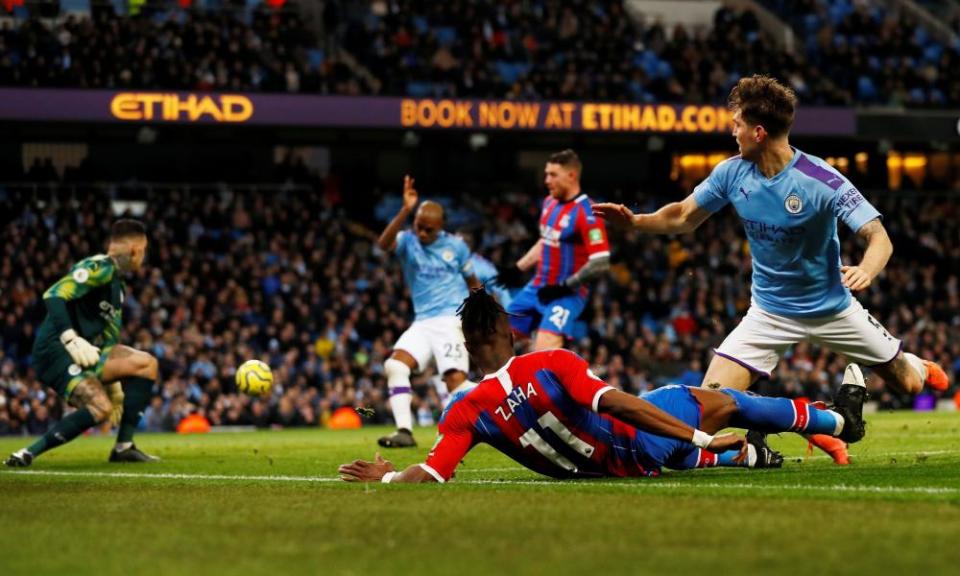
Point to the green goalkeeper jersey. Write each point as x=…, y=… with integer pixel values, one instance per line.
x=89, y=299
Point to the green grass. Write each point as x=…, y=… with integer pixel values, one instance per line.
x=266, y=503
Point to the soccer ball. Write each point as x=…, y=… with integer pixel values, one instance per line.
x=254, y=378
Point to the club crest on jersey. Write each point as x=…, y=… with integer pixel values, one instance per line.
x=74, y=370
x=447, y=255
x=596, y=236
x=81, y=275
x=793, y=204
x=565, y=221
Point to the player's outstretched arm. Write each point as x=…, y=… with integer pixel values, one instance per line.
x=875, y=257
x=645, y=416
x=673, y=218
x=388, y=238
x=381, y=470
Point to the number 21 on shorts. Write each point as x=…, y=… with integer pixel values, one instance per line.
x=559, y=316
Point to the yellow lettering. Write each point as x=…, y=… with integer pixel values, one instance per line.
x=427, y=113
x=488, y=114
x=124, y=107
x=631, y=117
x=463, y=114
x=649, y=118
x=508, y=115
x=529, y=114
x=554, y=117
x=587, y=118
x=666, y=117
x=708, y=119
x=205, y=105
x=568, y=109
x=147, y=102
x=724, y=120
x=236, y=108
x=446, y=114
x=408, y=113
x=687, y=118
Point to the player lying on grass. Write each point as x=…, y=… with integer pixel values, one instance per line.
x=547, y=411
x=76, y=351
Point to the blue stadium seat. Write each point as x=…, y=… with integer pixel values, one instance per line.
x=420, y=89
x=446, y=35
x=315, y=58
x=75, y=6
x=866, y=90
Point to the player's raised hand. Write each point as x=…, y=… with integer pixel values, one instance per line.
x=410, y=195
x=616, y=214
x=723, y=442
x=855, y=278
x=363, y=471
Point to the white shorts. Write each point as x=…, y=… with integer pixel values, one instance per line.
x=761, y=337
x=439, y=339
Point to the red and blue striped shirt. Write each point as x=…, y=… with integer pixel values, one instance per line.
x=571, y=236
x=540, y=409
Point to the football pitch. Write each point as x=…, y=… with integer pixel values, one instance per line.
x=270, y=503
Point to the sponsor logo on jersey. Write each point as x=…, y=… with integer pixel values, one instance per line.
x=596, y=236
x=81, y=275
x=793, y=204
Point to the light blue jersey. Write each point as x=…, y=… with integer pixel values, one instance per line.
x=435, y=273
x=486, y=272
x=791, y=224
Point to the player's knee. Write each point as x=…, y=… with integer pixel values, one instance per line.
x=454, y=378
x=395, y=370
x=151, y=367
x=93, y=398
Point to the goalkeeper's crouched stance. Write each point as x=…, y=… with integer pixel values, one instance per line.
x=76, y=351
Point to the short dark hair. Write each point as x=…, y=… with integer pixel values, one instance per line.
x=479, y=313
x=568, y=159
x=127, y=228
x=762, y=101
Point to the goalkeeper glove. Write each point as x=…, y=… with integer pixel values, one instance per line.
x=115, y=392
x=82, y=352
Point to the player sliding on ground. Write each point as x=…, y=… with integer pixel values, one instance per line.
x=789, y=202
x=572, y=252
x=437, y=268
x=547, y=411
x=76, y=351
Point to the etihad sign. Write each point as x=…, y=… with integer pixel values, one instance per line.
x=135, y=106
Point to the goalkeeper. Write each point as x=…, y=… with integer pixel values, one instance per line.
x=76, y=351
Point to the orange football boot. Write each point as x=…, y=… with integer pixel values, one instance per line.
x=835, y=447
x=936, y=377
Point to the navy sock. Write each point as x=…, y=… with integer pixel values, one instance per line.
x=63, y=431
x=136, y=396
x=781, y=415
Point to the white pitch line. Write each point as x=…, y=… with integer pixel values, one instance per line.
x=642, y=484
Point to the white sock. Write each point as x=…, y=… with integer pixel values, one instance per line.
x=751, y=455
x=840, y=422
x=398, y=383
x=917, y=364
x=121, y=446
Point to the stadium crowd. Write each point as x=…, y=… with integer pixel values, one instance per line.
x=850, y=52
x=285, y=277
